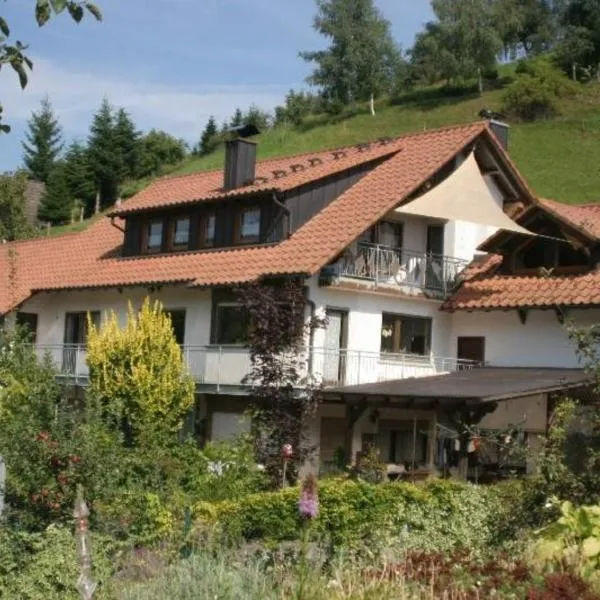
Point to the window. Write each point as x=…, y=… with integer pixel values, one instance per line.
x=470, y=348
x=403, y=334
x=76, y=326
x=390, y=234
x=29, y=322
x=208, y=229
x=248, y=226
x=231, y=324
x=178, y=322
x=181, y=233
x=154, y=234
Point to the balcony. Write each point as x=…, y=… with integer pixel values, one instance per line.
x=387, y=266
x=223, y=368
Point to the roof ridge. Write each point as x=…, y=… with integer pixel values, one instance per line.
x=37, y=239
x=402, y=136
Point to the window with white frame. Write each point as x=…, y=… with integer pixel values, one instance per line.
x=403, y=334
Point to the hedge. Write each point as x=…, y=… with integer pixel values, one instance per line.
x=438, y=515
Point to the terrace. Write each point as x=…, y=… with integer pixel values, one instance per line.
x=383, y=265
x=222, y=369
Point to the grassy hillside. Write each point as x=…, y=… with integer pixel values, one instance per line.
x=560, y=158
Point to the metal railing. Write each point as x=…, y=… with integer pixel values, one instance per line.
x=399, y=266
x=229, y=365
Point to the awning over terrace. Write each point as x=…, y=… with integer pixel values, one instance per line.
x=463, y=196
x=468, y=388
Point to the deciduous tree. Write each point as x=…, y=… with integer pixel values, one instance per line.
x=461, y=44
x=13, y=224
x=159, y=148
x=282, y=393
x=580, y=41
x=362, y=56
x=44, y=142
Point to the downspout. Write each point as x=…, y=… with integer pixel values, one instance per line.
x=112, y=222
x=287, y=211
x=311, y=332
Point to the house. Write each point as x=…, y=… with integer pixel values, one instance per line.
x=481, y=271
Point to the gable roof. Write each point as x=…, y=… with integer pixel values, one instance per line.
x=208, y=186
x=485, y=288
x=91, y=258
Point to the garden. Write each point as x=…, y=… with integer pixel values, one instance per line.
x=167, y=518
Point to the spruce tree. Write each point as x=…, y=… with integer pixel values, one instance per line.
x=44, y=142
x=56, y=205
x=128, y=145
x=208, y=141
x=237, y=119
x=79, y=175
x=105, y=159
x=362, y=58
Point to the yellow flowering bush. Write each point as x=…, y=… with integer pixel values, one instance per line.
x=138, y=374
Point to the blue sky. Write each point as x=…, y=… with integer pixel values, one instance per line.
x=170, y=63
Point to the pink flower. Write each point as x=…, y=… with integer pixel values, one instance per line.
x=308, y=505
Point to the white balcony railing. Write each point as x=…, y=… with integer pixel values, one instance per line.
x=399, y=267
x=228, y=365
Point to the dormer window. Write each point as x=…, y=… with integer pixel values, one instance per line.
x=248, y=225
x=180, y=233
x=153, y=236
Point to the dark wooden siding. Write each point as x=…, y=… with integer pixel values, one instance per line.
x=308, y=200
x=133, y=236
x=275, y=223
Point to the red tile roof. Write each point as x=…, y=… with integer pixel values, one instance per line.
x=92, y=258
x=485, y=289
x=585, y=217
x=208, y=186
x=492, y=292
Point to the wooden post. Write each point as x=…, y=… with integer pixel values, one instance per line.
x=414, y=447
x=85, y=583
x=432, y=442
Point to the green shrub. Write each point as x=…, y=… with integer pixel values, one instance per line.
x=44, y=566
x=573, y=541
x=536, y=91
x=438, y=515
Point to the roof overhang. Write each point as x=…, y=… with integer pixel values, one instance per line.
x=468, y=388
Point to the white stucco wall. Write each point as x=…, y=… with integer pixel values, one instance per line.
x=541, y=342
x=365, y=316
x=51, y=309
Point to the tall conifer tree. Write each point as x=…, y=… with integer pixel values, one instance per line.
x=105, y=159
x=44, y=142
x=208, y=138
x=56, y=204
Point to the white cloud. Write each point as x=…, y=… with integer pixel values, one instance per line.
x=180, y=110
